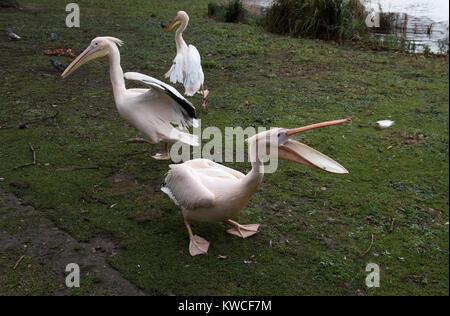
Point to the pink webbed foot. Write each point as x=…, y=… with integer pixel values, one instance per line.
x=204, y=101
x=243, y=231
x=161, y=157
x=198, y=246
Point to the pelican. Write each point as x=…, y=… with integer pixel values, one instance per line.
x=152, y=111
x=209, y=192
x=187, y=65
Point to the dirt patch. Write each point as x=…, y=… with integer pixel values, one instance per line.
x=54, y=249
x=406, y=138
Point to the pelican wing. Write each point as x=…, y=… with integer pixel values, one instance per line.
x=186, y=188
x=194, y=76
x=175, y=73
x=164, y=88
x=213, y=169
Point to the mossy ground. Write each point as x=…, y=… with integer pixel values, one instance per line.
x=311, y=241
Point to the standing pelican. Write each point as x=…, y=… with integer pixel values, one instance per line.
x=187, y=65
x=209, y=192
x=152, y=111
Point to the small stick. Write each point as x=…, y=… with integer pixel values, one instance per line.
x=138, y=140
x=23, y=125
x=392, y=225
x=370, y=247
x=78, y=168
x=18, y=262
x=31, y=163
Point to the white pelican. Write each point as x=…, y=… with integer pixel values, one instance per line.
x=209, y=192
x=187, y=65
x=152, y=111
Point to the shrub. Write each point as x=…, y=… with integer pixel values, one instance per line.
x=327, y=19
x=232, y=12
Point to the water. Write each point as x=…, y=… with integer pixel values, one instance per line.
x=427, y=21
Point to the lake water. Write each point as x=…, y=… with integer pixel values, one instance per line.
x=427, y=21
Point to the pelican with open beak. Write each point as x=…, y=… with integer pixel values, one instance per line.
x=152, y=111
x=209, y=192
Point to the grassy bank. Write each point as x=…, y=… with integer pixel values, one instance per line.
x=312, y=241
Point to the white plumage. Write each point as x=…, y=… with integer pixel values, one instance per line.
x=187, y=69
x=383, y=124
x=152, y=111
x=187, y=66
x=209, y=192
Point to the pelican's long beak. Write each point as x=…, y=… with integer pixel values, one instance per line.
x=172, y=25
x=89, y=53
x=292, y=150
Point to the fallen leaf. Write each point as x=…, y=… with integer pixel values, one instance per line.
x=222, y=257
x=2, y=179
x=323, y=188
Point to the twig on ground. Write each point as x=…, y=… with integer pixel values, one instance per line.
x=24, y=125
x=78, y=168
x=368, y=249
x=18, y=262
x=31, y=163
x=138, y=140
x=391, y=229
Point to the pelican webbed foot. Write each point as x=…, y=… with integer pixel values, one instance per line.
x=204, y=94
x=165, y=156
x=197, y=245
x=158, y=156
x=242, y=231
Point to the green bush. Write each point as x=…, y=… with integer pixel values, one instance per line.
x=235, y=12
x=232, y=12
x=326, y=19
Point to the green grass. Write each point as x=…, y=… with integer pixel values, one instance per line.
x=24, y=277
x=311, y=241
